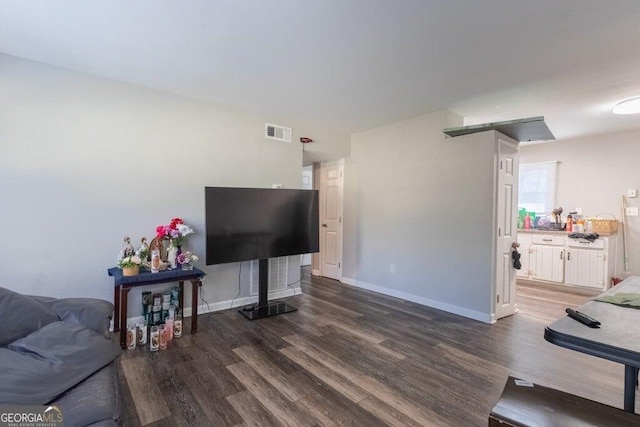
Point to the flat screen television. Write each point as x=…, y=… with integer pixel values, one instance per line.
x=245, y=224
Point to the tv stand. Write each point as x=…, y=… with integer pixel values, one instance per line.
x=264, y=307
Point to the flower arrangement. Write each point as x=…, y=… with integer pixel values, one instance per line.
x=130, y=265
x=186, y=259
x=129, y=261
x=176, y=231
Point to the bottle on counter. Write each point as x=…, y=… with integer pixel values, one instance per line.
x=569, y=226
x=527, y=221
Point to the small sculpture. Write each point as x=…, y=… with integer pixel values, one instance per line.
x=143, y=252
x=127, y=249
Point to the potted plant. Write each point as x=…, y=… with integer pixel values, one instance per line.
x=130, y=265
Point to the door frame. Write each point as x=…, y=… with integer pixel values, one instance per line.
x=307, y=175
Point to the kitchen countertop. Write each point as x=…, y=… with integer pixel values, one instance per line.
x=542, y=231
x=552, y=231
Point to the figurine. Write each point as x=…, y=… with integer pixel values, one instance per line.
x=127, y=249
x=143, y=252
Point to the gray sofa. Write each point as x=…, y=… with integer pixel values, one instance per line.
x=58, y=352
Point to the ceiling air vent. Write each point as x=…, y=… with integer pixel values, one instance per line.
x=276, y=132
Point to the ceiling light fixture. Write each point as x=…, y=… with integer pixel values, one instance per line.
x=628, y=106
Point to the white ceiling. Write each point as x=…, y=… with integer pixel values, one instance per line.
x=354, y=64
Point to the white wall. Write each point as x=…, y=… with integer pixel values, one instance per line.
x=85, y=161
x=418, y=209
x=594, y=173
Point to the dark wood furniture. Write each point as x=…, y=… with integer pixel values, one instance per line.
x=123, y=284
x=617, y=339
x=535, y=405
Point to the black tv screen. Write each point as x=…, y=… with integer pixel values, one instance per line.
x=244, y=224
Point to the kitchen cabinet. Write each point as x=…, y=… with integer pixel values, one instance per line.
x=548, y=262
x=525, y=256
x=557, y=259
x=542, y=257
x=547, y=257
x=585, y=264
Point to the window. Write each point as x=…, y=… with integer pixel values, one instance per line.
x=537, y=187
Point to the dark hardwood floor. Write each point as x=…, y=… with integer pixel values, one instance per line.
x=354, y=357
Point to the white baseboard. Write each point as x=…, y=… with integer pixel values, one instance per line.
x=450, y=308
x=351, y=282
x=203, y=308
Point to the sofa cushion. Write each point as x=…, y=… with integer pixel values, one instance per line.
x=91, y=313
x=94, y=400
x=51, y=360
x=21, y=315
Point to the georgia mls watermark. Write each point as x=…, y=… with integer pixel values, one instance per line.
x=31, y=416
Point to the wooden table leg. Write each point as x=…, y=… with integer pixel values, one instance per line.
x=181, y=296
x=116, y=311
x=195, y=288
x=124, y=292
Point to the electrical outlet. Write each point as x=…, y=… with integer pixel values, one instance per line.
x=579, y=211
x=632, y=192
x=632, y=212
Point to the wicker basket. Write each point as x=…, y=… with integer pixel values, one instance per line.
x=604, y=226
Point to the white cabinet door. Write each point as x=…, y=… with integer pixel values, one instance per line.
x=524, y=249
x=547, y=263
x=525, y=270
x=585, y=267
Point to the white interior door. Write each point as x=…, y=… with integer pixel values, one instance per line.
x=331, y=195
x=507, y=208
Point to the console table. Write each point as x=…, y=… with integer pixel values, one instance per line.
x=123, y=285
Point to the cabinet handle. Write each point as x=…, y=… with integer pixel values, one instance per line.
x=568, y=256
x=547, y=240
x=561, y=254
